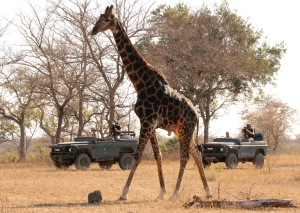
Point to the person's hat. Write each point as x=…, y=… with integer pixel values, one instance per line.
x=227, y=132
x=116, y=121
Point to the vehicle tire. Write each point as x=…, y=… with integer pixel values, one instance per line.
x=259, y=160
x=15, y=160
x=106, y=165
x=60, y=165
x=231, y=161
x=125, y=161
x=83, y=162
x=206, y=164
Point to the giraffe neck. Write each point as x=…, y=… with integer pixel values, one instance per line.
x=133, y=62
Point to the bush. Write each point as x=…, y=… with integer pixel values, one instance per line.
x=11, y=157
x=170, y=146
x=39, y=154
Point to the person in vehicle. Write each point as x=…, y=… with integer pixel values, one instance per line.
x=116, y=129
x=227, y=135
x=248, y=131
x=93, y=132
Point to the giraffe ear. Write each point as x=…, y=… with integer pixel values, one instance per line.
x=106, y=11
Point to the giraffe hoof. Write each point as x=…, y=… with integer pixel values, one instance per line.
x=208, y=196
x=160, y=198
x=174, y=196
x=122, y=198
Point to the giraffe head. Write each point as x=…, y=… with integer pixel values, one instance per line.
x=105, y=22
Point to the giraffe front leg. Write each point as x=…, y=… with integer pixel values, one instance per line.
x=137, y=159
x=124, y=195
x=183, y=161
x=198, y=159
x=184, y=157
x=157, y=156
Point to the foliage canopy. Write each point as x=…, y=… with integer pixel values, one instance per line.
x=212, y=56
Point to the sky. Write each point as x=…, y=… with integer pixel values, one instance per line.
x=277, y=18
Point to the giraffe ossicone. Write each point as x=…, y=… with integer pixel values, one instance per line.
x=157, y=106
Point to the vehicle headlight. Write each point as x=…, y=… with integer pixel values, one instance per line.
x=221, y=149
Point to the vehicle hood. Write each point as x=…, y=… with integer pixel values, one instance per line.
x=74, y=143
x=223, y=143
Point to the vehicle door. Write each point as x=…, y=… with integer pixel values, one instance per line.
x=102, y=149
x=245, y=151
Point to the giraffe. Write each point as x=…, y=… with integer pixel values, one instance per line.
x=157, y=106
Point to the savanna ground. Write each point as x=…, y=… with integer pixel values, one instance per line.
x=40, y=187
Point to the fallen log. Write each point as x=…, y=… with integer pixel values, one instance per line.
x=249, y=204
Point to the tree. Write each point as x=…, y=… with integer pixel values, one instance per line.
x=4, y=60
x=8, y=129
x=49, y=56
x=78, y=78
x=107, y=92
x=273, y=118
x=17, y=103
x=215, y=58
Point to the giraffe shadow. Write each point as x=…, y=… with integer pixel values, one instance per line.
x=84, y=204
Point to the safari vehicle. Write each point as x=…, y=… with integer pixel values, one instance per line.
x=234, y=150
x=106, y=152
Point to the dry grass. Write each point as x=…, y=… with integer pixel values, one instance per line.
x=29, y=187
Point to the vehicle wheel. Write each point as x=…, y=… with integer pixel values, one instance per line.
x=15, y=159
x=105, y=165
x=259, y=160
x=206, y=163
x=83, y=162
x=125, y=161
x=60, y=165
x=231, y=161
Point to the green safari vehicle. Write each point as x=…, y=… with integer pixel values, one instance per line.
x=234, y=150
x=85, y=150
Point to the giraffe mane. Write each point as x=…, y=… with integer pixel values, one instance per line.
x=139, y=54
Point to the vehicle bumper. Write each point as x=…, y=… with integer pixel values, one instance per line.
x=213, y=151
x=63, y=157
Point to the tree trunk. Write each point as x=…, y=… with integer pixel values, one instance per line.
x=80, y=113
x=22, y=150
x=59, y=124
x=206, y=128
x=111, y=108
x=276, y=142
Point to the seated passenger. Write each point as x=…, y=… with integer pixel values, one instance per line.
x=93, y=133
x=227, y=135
